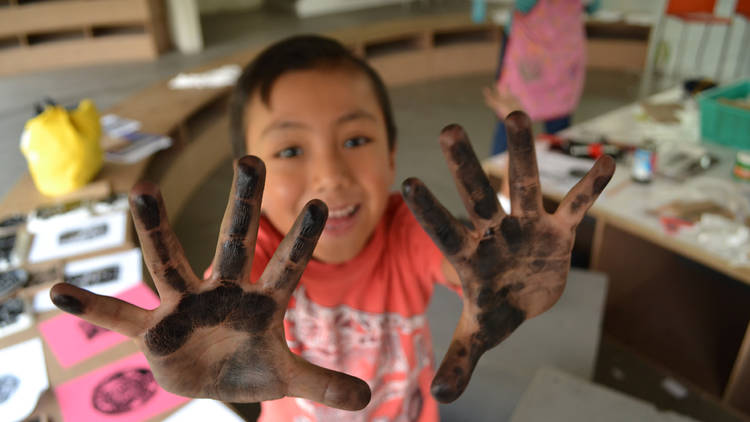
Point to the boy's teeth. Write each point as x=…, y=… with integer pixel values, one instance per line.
x=343, y=212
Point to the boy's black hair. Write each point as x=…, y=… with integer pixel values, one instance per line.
x=300, y=52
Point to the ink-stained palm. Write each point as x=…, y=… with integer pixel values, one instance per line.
x=222, y=337
x=512, y=267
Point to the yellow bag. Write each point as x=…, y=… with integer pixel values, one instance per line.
x=62, y=147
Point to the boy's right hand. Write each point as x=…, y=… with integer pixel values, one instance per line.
x=221, y=338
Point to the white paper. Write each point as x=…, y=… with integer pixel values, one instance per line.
x=115, y=126
x=606, y=15
x=637, y=18
x=79, y=237
x=204, y=410
x=128, y=274
x=23, y=378
x=75, y=216
x=141, y=145
x=674, y=388
x=215, y=78
x=554, y=168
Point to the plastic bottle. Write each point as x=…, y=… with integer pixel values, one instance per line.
x=644, y=162
x=478, y=11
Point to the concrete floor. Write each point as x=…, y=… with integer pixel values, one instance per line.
x=421, y=111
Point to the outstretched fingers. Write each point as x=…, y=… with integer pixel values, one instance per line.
x=523, y=173
x=331, y=388
x=473, y=185
x=239, y=228
x=162, y=251
x=580, y=198
x=104, y=311
x=447, y=232
x=284, y=270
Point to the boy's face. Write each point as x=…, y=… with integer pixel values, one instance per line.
x=323, y=136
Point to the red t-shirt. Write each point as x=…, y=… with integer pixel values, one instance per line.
x=365, y=317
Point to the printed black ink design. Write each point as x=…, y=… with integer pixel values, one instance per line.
x=8, y=385
x=6, y=247
x=91, y=278
x=12, y=280
x=43, y=276
x=13, y=221
x=124, y=391
x=83, y=234
x=10, y=310
x=90, y=330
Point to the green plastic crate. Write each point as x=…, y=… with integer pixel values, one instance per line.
x=724, y=124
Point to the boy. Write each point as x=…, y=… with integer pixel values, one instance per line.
x=320, y=120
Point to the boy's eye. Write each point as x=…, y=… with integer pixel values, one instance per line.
x=357, y=141
x=289, y=152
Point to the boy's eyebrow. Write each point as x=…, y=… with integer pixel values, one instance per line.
x=291, y=124
x=283, y=124
x=354, y=115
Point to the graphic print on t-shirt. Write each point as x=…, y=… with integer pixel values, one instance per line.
x=387, y=347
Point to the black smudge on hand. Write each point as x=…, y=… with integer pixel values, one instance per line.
x=68, y=304
x=233, y=258
x=474, y=181
x=147, y=210
x=162, y=251
x=248, y=177
x=599, y=184
x=227, y=305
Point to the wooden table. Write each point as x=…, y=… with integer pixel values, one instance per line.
x=671, y=300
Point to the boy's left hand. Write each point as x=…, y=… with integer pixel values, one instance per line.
x=512, y=267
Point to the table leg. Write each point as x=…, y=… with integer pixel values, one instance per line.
x=737, y=393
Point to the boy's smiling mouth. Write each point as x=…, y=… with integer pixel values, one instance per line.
x=341, y=219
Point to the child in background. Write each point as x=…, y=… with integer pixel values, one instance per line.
x=542, y=63
x=258, y=329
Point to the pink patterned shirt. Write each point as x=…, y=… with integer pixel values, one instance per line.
x=365, y=317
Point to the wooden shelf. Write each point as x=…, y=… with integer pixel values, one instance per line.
x=47, y=34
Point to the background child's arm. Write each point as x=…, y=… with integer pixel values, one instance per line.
x=511, y=267
x=222, y=337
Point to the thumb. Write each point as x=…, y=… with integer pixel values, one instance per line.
x=455, y=371
x=331, y=388
x=107, y=312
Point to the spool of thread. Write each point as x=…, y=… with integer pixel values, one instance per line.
x=741, y=169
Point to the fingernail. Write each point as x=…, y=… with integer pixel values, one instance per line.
x=315, y=218
x=408, y=187
x=443, y=393
x=453, y=127
x=147, y=208
x=68, y=304
x=250, y=171
x=518, y=120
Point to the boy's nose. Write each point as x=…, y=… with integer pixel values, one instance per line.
x=331, y=172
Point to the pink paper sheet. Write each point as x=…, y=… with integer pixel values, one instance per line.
x=119, y=392
x=73, y=340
